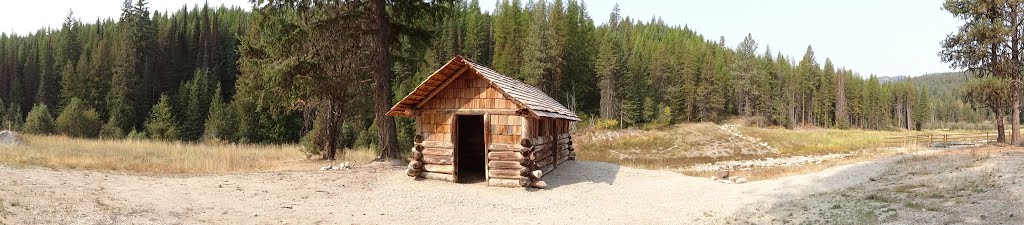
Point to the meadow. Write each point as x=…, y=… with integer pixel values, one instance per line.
x=148, y=156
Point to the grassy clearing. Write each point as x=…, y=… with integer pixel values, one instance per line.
x=147, y=156
x=766, y=173
x=666, y=147
x=670, y=148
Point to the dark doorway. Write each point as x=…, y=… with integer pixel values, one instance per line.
x=470, y=166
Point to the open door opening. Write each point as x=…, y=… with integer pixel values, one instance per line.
x=470, y=165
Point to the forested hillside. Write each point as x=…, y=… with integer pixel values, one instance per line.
x=201, y=73
x=947, y=92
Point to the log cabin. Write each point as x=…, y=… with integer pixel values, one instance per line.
x=476, y=125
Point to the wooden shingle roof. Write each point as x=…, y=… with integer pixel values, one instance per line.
x=524, y=95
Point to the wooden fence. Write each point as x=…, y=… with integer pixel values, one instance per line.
x=944, y=139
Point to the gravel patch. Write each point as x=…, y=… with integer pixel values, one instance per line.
x=579, y=192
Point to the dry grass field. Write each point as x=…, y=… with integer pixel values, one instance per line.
x=146, y=156
x=680, y=146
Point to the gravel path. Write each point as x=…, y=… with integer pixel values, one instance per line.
x=580, y=192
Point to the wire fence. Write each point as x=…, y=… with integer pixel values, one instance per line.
x=944, y=139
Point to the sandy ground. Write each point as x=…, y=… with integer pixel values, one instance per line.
x=951, y=186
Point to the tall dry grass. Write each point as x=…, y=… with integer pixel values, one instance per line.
x=147, y=156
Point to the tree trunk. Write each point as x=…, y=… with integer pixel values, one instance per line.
x=1000, y=126
x=328, y=134
x=1015, y=114
x=381, y=57
x=1016, y=76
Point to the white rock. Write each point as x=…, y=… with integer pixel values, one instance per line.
x=741, y=180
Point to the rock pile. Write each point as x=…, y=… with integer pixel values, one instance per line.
x=9, y=138
x=342, y=166
x=724, y=176
x=766, y=162
x=733, y=143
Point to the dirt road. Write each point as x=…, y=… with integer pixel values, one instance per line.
x=579, y=192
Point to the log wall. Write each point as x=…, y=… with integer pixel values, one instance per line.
x=520, y=150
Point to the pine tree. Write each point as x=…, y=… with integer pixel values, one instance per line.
x=12, y=119
x=218, y=124
x=745, y=71
x=824, y=107
x=161, y=124
x=39, y=121
x=71, y=82
x=809, y=76
x=193, y=100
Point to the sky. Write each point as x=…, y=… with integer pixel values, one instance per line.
x=882, y=37
x=24, y=16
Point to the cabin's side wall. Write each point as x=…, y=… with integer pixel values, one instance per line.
x=549, y=141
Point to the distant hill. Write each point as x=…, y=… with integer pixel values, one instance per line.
x=888, y=79
x=947, y=85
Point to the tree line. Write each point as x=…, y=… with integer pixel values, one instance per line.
x=301, y=71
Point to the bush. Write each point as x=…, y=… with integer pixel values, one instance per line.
x=111, y=131
x=606, y=123
x=12, y=118
x=77, y=120
x=39, y=120
x=136, y=135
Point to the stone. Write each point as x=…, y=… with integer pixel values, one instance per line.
x=741, y=180
x=10, y=138
x=722, y=174
x=326, y=168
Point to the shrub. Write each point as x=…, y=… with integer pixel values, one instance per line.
x=606, y=123
x=77, y=120
x=111, y=131
x=39, y=120
x=12, y=118
x=136, y=135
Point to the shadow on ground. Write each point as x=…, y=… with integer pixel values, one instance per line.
x=574, y=172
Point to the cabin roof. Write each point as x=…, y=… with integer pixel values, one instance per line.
x=524, y=95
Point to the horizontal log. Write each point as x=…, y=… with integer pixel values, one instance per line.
x=542, y=154
x=547, y=169
x=494, y=164
x=417, y=148
x=448, y=169
x=438, y=159
x=437, y=144
x=530, y=142
x=418, y=138
x=511, y=174
x=438, y=151
x=537, y=174
x=562, y=159
x=438, y=176
x=564, y=152
x=505, y=156
x=564, y=135
x=506, y=147
x=501, y=182
x=545, y=161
